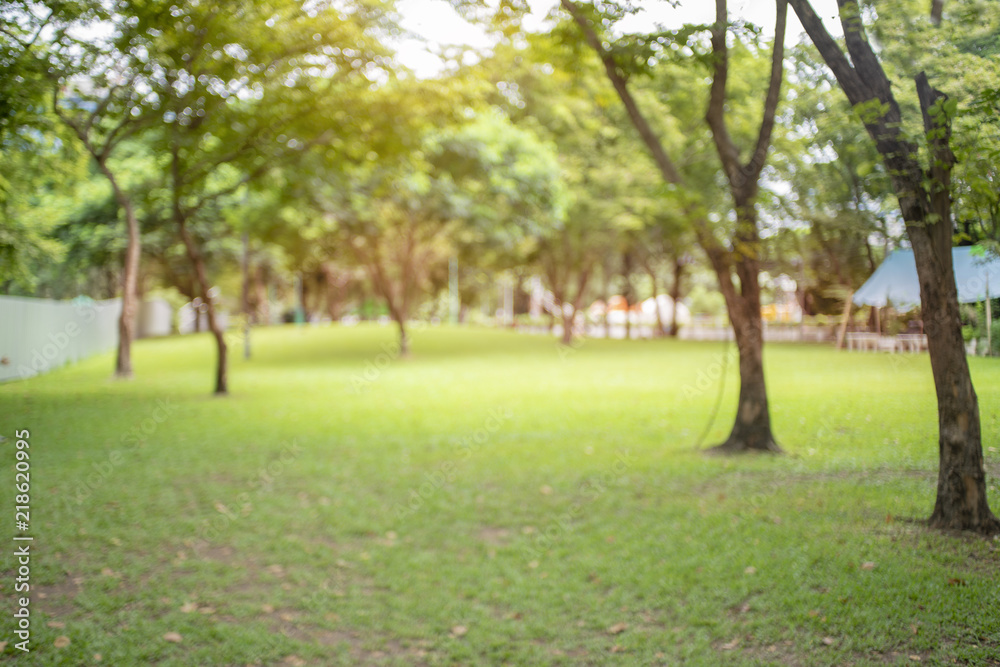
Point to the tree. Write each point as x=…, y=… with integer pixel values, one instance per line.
x=736, y=265
x=241, y=89
x=548, y=87
x=32, y=159
x=838, y=188
x=405, y=212
x=924, y=193
x=102, y=92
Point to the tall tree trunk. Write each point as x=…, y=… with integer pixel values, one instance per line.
x=335, y=283
x=925, y=203
x=627, y=292
x=404, y=339
x=130, y=273
x=569, y=319
x=961, y=502
x=198, y=262
x=661, y=326
x=606, y=296
x=262, y=309
x=675, y=295
x=752, y=426
x=245, y=294
x=567, y=323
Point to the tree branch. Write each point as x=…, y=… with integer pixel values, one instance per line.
x=729, y=154
x=663, y=161
x=854, y=87
x=754, y=167
x=866, y=63
x=937, y=8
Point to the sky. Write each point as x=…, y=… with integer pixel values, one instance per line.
x=437, y=24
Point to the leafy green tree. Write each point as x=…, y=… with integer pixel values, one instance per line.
x=403, y=214
x=242, y=88
x=920, y=169
x=613, y=194
x=735, y=260
x=36, y=162
x=102, y=91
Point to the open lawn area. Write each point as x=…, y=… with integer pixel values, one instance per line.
x=493, y=499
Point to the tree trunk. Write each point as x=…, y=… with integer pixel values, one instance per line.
x=606, y=296
x=126, y=323
x=961, y=502
x=675, y=295
x=245, y=295
x=661, y=327
x=335, y=283
x=627, y=293
x=925, y=203
x=262, y=308
x=404, y=339
x=752, y=427
x=567, y=322
x=198, y=262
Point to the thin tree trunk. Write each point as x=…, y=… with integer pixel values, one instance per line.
x=263, y=308
x=605, y=296
x=752, y=427
x=198, y=262
x=334, y=291
x=404, y=339
x=567, y=322
x=627, y=275
x=675, y=295
x=130, y=272
x=126, y=323
x=661, y=327
x=245, y=295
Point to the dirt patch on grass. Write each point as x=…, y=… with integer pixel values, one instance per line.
x=56, y=600
x=784, y=653
x=495, y=537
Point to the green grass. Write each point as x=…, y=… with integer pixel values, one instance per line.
x=331, y=512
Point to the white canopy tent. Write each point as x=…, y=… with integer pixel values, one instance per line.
x=977, y=277
x=895, y=281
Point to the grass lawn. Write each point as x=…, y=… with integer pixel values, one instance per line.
x=494, y=499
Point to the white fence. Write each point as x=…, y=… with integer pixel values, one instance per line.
x=37, y=335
